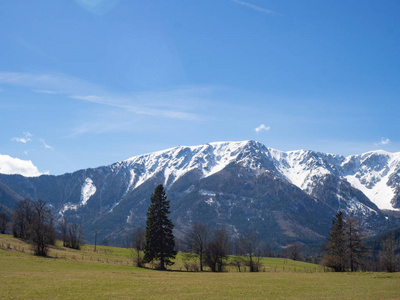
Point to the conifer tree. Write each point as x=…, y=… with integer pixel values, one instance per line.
x=357, y=250
x=345, y=247
x=336, y=248
x=160, y=242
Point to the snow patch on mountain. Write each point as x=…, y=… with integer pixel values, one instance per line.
x=87, y=191
x=67, y=206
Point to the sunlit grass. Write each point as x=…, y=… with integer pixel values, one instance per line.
x=89, y=276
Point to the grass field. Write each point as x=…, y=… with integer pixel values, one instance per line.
x=108, y=273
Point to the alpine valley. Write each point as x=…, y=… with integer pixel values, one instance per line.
x=285, y=196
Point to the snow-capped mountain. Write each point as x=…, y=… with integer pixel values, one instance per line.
x=373, y=173
x=376, y=174
x=285, y=196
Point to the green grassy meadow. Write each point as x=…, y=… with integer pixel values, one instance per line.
x=108, y=273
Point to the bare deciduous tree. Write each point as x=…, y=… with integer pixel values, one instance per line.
x=138, y=240
x=238, y=262
x=41, y=232
x=3, y=223
x=293, y=251
x=197, y=239
x=388, y=257
x=268, y=251
x=71, y=234
x=75, y=235
x=64, y=231
x=250, y=247
x=22, y=218
x=217, y=250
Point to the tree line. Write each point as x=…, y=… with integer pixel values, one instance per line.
x=345, y=250
x=33, y=222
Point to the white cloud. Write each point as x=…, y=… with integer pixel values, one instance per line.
x=27, y=138
x=257, y=8
x=24, y=140
x=262, y=127
x=383, y=142
x=45, y=145
x=10, y=165
x=20, y=140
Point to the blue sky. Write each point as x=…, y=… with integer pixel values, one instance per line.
x=85, y=83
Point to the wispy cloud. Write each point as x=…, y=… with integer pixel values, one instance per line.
x=20, y=140
x=49, y=83
x=137, y=103
x=46, y=146
x=45, y=92
x=28, y=137
x=257, y=8
x=262, y=127
x=25, y=139
x=126, y=104
x=383, y=142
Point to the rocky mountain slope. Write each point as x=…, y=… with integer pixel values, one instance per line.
x=285, y=196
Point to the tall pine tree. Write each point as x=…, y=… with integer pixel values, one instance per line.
x=336, y=248
x=345, y=246
x=357, y=250
x=160, y=242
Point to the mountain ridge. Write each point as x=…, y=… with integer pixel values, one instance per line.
x=242, y=185
x=333, y=163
